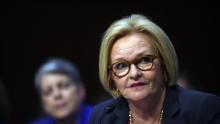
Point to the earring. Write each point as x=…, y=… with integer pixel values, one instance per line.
x=117, y=90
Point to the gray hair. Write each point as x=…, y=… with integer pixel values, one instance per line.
x=60, y=66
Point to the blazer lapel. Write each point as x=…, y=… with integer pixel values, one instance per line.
x=171, y=107
x=117, y=113
x=121, y=111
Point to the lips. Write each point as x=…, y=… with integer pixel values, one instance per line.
x=137, y=84
x=60, y=105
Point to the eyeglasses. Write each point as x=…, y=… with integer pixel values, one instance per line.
x=122, y=67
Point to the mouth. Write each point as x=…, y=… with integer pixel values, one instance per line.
x=60, y=105
x=137, y=84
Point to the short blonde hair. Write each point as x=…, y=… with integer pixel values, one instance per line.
x=136, y=23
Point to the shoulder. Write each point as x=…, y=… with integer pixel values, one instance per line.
x=202, y=107
x=105, y=108
x=193, y=96
x=86, y=108
x=45, y=120
x=85, y=113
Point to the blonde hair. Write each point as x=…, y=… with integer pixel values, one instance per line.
x=136, y=23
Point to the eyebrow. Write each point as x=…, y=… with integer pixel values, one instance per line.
x=138, y=56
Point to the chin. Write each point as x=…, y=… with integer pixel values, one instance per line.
x=62, y=115
x=137, y=96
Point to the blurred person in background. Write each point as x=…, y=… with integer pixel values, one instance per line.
x=62, y=93
x=184, y=79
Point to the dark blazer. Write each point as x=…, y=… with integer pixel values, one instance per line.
x=180, y=106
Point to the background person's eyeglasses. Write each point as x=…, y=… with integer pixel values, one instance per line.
x=122, y=68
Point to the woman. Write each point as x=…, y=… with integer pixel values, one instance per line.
x=61, y=91
x=138, y=66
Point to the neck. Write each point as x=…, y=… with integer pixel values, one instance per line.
x=149, y=108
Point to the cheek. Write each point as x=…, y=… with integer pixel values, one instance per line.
x=47, y=103
x=155, y=75
x=71, y=95
x=119, y=82
x=72, y=98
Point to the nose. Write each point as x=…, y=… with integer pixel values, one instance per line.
x=57, y=93
x=134, y=73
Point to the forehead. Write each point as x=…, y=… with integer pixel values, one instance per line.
x=53, y=79
x=131, y=46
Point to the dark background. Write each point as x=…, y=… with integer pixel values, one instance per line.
x=34, y=32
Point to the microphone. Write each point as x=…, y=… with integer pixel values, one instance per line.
x=109, y=109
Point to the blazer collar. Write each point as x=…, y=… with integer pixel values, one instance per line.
x=116, y=112
x=171, y=105
x=121, y=110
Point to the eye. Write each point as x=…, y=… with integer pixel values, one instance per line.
x=47, y=91
x=64, y=84
x=145, y=60
x=145, y=63
x=120, y=66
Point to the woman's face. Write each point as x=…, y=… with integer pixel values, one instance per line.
x=137, y=84
x=60, y=96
